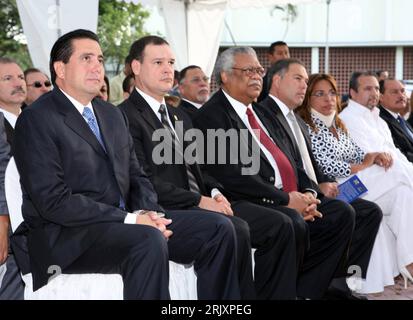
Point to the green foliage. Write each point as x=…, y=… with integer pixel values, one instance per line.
x=120, y=24
x=11, y=34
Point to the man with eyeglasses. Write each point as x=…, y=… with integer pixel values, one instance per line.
x=287, y=87
x=37, y=84
x=282, y=194
x=194, y=89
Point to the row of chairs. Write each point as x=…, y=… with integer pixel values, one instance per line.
x=91, y=286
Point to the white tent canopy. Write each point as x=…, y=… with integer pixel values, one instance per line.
x=194, y=27
x=45, y=20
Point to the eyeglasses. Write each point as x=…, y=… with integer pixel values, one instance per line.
x=249, y=72
x=321, y=94
x=198, y=80
x=39, y=84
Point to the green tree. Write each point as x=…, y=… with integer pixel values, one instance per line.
x=120, y=24
x=12, y=41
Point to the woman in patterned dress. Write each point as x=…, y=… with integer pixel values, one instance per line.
x=339, y=157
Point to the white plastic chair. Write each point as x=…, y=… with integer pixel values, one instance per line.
x=91, y=286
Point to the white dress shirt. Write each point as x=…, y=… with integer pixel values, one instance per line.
x=241, y=111
x=10, y=117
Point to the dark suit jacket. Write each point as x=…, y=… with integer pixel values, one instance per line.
x=275, y=114
x=170, y=180
x=401, y=140
x=71, y=186
x=9, y=135
x=259, y=188
x=264, y=92
x=189, y=108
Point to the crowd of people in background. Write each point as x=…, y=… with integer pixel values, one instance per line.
x=114, y=196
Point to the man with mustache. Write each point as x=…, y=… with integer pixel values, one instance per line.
x=287, y=86
x=280, y=189
x=12, y=96
x=193, y=88
x=393, y=100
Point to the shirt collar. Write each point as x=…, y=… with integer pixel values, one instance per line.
x=10, y=117
x=153, y=103
x=284, y=109
x=196, y=105
x=362, y=110
x=78, y=105
x=239, y=107
x=394, y=114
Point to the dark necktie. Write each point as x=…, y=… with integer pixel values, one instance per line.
x=287, y=173
x=193, y=185
x=405, y=127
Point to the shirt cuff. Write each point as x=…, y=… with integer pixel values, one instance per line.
x=131, y=218
x=315, y=194
x=215, y=192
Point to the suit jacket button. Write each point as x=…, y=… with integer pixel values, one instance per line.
x=272, y=179
x=264, y=200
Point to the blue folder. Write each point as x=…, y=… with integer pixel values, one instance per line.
x=351, y=189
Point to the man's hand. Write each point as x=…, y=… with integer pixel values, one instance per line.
x=151, y=218
x=384, y=159
x=329, y=189
x=4, y=238
x=218, y=205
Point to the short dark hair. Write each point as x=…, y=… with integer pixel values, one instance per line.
x=137, y=48
x=32, y=70
x=382, y=84
x=182, y=73
x=354, y=79
x=281, y=67
x=63, y=49
x=271, y=48
x=126, y=84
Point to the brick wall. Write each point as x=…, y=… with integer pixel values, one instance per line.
x=344, y=61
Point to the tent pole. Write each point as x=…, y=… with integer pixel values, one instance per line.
x=59, y=29
x=327, y=51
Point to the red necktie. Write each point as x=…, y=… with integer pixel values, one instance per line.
x=284, y=166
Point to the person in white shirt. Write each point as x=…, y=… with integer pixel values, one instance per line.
x=392, y=190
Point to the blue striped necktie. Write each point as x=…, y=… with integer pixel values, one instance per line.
x=93, y=125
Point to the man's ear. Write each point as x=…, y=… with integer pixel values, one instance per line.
x=136, y=67
x=224, y=77
x=59, y=68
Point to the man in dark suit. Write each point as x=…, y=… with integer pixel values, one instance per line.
x=172, y=181
x=287, y=84
x=276, y=51
x=87, y=203
x=12, y=94
x=393, y=100
x=194, y=89
x=322, y=230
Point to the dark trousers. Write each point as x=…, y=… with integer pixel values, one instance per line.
x=272, y=235
x=140, y=254
x=244, y=259
x=327, y=249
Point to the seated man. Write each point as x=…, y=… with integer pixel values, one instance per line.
x=37, y=84
x=392, y=102
x=273, y=182
x=182, y=185
x=88, y=206
x=284, y=97
x=194, y=89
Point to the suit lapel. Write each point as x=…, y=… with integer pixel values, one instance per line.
x=75, y=121
x=237, y=123
x=145, y=110
x=106, y=127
